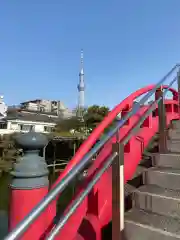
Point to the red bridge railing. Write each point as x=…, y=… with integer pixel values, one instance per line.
x=100, y=198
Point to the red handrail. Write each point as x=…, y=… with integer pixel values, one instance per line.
x=125, y=105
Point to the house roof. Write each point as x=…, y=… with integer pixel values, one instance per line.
x=35, y=117
x=31, y=101
x=11, y=109
x=38, y=112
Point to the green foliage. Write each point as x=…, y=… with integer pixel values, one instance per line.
x=68, y=124
x=94, y=115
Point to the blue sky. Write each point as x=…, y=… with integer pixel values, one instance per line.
x=127, y=45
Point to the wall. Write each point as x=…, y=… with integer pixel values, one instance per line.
x=14, y=126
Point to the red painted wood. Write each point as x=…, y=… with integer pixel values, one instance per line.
x=22, y=202
x=97, y=207
x=99, y=202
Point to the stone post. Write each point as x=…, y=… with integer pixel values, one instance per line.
x=29, y=183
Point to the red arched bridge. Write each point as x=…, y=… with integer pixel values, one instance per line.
x=99, y=198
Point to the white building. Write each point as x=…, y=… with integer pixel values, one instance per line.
x=37, y=115
x=19, y=121
x=23, y=120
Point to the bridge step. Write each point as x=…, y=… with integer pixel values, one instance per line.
x=163, y=177
x=173, y=146
x=156, y=204
x=157, y=200
x=128, y=189
x=170, y=160
x=174, y=134
x=139, y=171
x=140, y=225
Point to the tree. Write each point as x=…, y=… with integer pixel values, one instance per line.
x=94, y=115
x=66, y=125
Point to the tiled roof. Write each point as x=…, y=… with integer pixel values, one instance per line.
x=11, y=109
x=24, y=116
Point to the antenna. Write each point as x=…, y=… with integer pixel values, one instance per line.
x=82, y=57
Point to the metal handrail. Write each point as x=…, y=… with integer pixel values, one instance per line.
x=81, y=197
x=57, y=164
x=146, y=114
x=62, y=221
x=30, y=218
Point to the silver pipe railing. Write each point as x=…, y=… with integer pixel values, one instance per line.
x=63, y=220
x=30, y=218
x=57, y=164
x=146, y=114
x=80, y=198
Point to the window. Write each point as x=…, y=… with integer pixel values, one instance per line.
x=54, y=103
x=3, y=125
x=48, y=129
x=27, y=128
x=41, y=109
